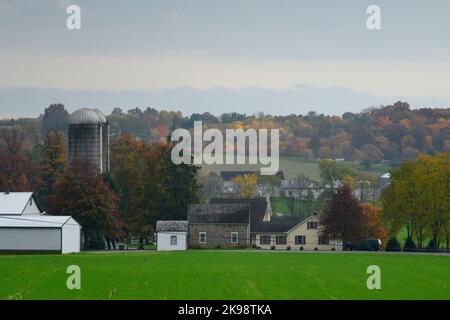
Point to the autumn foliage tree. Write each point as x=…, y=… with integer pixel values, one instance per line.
x=375, y=227
x=150, y=185
x=344, y=218
x=52, y=166
x=82, y=193
x=417, y=200
x=245, y=185
x=14, y=163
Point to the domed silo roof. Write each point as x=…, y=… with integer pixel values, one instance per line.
x=87, y=116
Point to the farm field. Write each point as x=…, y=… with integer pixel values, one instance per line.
x=225, y=274
x=293, y=166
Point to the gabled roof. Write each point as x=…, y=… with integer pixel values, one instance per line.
x=281, y=226
x=219, y=213
x=35, y=221
x=276, y=226
x=257, y=208
x=172, y=225
x=15, y=202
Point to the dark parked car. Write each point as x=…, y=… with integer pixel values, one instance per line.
x=365, y=245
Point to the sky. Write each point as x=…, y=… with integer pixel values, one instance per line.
x=271, y=56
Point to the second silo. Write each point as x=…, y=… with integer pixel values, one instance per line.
x=89, y=138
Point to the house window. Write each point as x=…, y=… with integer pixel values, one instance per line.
x=312, y=225
x=202, y=237
x=323, y=240
x=234, y=237
x=173, y=240
x=280, y=240
x=264, y=240
x=300, y=239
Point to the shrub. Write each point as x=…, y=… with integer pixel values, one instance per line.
x=288, y=248
x=393, y=245
x=96, y=243
x=315, y=249
x=272, y=247
x=431, y=245
x=301, y=248
x=409, y=245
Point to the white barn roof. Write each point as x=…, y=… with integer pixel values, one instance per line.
x=14, y=202
x=35, y=221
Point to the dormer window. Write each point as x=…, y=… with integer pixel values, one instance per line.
x=312, y=225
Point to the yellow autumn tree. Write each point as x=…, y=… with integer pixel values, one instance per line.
x=245, y=185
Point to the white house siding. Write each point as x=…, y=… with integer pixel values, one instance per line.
x=27, y=239
x=164, y=243
x=312, y=239
x=71, y=237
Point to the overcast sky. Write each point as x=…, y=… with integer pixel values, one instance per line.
x=275, y=56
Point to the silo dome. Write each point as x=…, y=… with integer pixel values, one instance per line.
x=87, y=116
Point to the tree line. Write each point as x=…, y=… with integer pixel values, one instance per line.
x=391, y=133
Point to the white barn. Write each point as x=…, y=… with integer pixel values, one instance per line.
x=39, y=233
x=24, y=227
x=171, y=235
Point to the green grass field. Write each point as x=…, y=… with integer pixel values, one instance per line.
x=293, y=166
x=225, y=275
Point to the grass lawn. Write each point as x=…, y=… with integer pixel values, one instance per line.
x=225, y=275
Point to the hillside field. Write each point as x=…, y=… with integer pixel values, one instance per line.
x=225, y=274
x=293, y=166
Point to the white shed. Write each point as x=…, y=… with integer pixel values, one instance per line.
x=39, y=233
x=172, y=235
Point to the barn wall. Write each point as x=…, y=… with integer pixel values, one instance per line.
x=164, y=241
x=71, y=237
x=30, y=239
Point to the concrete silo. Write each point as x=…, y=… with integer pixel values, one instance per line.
x=89, y=138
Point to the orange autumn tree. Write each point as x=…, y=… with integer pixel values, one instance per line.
x=375, y=226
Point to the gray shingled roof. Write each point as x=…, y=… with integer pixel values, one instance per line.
x=172, y=225
x=257, y=208
x=219, y=213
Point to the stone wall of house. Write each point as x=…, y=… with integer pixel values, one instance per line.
x=218, y=235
